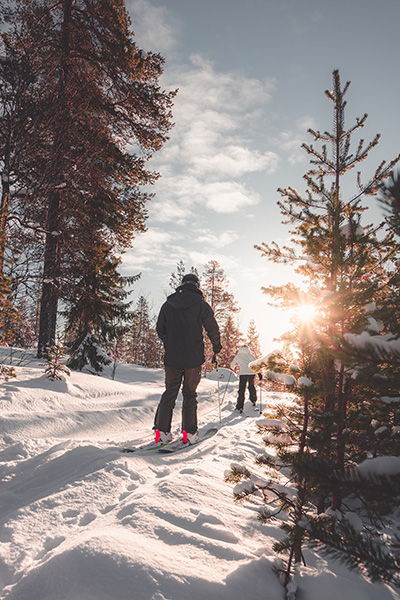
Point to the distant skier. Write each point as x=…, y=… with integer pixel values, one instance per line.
x=180, y=327
x=246, y=377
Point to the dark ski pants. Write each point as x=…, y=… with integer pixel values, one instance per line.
x=243, y=381
x=173, y=380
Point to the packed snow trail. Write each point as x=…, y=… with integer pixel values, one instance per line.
x=81, y=521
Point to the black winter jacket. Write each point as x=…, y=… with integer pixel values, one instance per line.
x=180, y=327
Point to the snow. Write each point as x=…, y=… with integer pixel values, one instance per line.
x=389, y=399
x=287, y=380
x=374, y=326
x=354, y=521
x=380, y=430
x=380, y=343
x=282, y=425
x=82, y=521
x=304, y=382
x=223, y=375
x=370, y=308
x=281, y=378
x=381, y=465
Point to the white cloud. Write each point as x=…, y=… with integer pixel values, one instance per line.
x=211, y=145
x=179, y=196
x=291, y=140
x=234, y=161
x=153, y=26
x=149, y=249
x=216, y=241
x=229, y=196
x=227, y=262
x=202, y=88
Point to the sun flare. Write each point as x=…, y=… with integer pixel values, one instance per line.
x=305, y=312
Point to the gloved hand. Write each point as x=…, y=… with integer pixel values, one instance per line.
x=259, y=376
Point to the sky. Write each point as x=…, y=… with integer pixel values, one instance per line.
x=251, y=79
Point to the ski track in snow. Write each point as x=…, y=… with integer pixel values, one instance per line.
x=79, y=520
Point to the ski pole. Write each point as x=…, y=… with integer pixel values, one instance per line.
x=229, y=378
x=219, y=392
x=260, y=396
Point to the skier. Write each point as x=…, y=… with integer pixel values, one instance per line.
x=180, y=327
x=246, y=376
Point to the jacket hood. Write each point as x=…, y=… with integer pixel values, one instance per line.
x=185, y=296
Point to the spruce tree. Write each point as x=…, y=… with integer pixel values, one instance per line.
x=176, y=276
x=215, y=288
x=143, y=346
x=55, y=369
x=96, y=307
x=15, y=142
x=97, y=96
x=253, y=339
x=343, y=260
x=231, y=340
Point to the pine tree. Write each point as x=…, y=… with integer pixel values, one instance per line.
x=343, y=263
x=177, y=275
x=390, y=199
x=231, y=340
x=15, y=114
x=389, y=309
x=96, y=94
x=253, y=339
x=143, y=347
x=54, y=368
x=375, y=353
x=343, y=259
x=96, y=307
x=214, y=286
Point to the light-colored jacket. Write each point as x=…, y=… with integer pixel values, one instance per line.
x=243, y=358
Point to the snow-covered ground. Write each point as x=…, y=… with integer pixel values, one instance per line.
x=82, y=521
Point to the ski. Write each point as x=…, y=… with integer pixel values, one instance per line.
x=178, y=445
x=145, y=447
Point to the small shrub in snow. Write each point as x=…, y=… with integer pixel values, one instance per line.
x=54, y=368
x=7, y=372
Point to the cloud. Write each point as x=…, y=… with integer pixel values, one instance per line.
x=229, y=196
x=179, y=196
x=149, y=248
x=211, y=240
x=234, y=161
x=212, y=144
x=154, y=28
x=227, y=262
x=229, y=91
x=291, y=141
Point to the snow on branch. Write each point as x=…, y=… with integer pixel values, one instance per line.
x=372, y=348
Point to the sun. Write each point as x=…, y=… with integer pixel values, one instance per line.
x=305, y=312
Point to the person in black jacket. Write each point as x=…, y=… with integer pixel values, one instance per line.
x=180, y=327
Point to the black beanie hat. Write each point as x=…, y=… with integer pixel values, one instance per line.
x=191, y=278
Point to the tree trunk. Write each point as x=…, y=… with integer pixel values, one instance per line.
x=4, y=208
x=340, y=442
x=51, y=275
x=51, y=267
x=5, y=203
